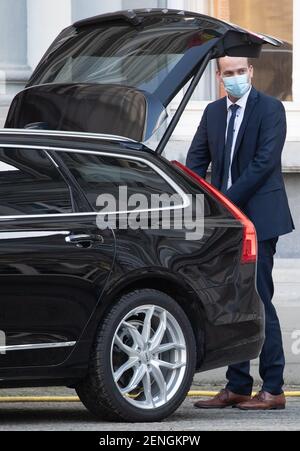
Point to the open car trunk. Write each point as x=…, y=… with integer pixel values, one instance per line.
x=117, y=73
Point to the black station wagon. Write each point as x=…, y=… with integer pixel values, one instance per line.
x=125, y=315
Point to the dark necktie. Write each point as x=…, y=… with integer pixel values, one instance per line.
x=228, y=148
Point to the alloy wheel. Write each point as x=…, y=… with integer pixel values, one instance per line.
x=148, y=357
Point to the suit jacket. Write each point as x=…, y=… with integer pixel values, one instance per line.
x=258, y=186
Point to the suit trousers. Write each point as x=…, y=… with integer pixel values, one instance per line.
x=271, y=361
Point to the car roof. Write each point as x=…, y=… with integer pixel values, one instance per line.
x=67, y=139
x=62, y=133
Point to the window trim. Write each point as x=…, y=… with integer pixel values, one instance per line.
x=71, y=194
x=177, y=189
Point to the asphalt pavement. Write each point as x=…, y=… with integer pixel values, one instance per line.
x=74, y=417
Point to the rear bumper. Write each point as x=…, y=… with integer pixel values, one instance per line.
x=246, y=349
x=236, y=332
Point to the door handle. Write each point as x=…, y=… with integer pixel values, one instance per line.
x=84, y=241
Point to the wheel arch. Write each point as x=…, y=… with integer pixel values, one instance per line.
x=180, y=291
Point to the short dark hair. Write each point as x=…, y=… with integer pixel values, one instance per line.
x=219, y=66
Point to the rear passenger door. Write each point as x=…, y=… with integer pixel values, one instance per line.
x=54, y=261
x=143, y=227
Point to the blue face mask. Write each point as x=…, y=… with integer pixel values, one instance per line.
x=237, y=86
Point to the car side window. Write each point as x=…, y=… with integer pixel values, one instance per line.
x=100, y=174
x=30, y=184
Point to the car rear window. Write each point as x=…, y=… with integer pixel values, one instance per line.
x=123, y=55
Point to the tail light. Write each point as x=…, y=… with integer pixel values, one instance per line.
x=249, y=251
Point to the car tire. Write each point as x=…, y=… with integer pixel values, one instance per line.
x=148, y=332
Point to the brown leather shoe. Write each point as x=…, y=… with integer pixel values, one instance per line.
x=224, y=399
x=264, y=401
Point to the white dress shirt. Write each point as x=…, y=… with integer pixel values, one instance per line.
x=242, y=102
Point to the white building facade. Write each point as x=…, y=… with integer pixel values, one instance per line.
x=27, y=27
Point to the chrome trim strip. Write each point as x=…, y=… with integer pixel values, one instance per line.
x=51, y=159
x=67, y=344
x=32, y=132
x=177, y=189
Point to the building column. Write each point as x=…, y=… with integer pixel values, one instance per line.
x=176, y=4
x=82, y=9
x=198, y=6
x=14, y=71
x=137, y=4
x=46, y=19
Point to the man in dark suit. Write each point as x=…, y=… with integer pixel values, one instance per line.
x=243, y=135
